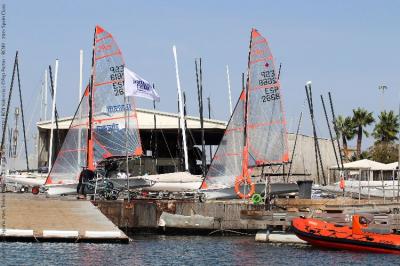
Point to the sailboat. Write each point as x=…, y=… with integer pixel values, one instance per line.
x=256, y=134
x=98, y=130
x=177, y=181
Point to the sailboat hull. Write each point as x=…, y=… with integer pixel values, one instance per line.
x=174, y=182
x=229, y=193
x=118, y=183
x=25, y=179
x=59, y=190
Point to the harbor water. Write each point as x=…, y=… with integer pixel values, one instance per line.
x=183, y=250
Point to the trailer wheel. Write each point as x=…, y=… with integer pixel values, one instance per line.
x=35, y=190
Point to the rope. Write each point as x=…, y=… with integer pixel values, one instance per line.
x=169, y=151
x=230, y=231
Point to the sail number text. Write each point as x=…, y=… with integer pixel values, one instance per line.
x=271, y=94
x=268, y=78
x=117, y=75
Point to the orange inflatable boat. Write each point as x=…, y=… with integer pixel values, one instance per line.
x=358, y=237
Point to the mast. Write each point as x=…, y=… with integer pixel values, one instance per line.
x=200, y=100
x=45, y=94
x=79, y=100
x=41, y=100
x=317, y=150
x=245, y=148
x=182, y=123
x=209, y=117
x=229, y=89
x=330, y=132
x=126, y=145
x=246, y=88
x=336, y=130
x=294, y=146
x=89, y=148
x=155, y=145
x=22, y=117
x=53, y=112
x=6, y=118
x=57, y=135
x=80, y=74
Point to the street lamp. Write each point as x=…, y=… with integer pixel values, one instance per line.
x=382, y=88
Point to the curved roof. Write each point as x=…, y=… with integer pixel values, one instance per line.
x=165, y=120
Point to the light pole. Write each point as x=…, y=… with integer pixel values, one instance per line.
x=383, y=88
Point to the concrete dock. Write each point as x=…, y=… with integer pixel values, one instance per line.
x=26, y=217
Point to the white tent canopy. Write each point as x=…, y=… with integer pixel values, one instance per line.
x=367, y=164
x=393, y=166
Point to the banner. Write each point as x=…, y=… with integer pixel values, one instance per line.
x=138, y=87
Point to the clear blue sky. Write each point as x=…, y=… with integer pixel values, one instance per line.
x=347, y=47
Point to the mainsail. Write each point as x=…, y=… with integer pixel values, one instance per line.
x=256, y=132
x=97, y=131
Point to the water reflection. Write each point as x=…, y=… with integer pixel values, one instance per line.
x=182, y=250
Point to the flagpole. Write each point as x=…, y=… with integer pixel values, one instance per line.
x=41, y=101
x=182, y=121
x=53, y=110
x=46, y=87
x=155, y=151
x=229, y=89
x=130, y=81
x=126, y=146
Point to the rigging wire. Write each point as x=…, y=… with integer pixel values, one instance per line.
x=169, y=151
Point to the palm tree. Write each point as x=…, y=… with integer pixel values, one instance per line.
x=361, y=119
x=387, y=128
x=346, y=130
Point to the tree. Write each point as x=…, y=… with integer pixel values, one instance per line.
x=361, y=119
x=363, y=155
x=387, y=128
x=346, y=130
x=384, y=152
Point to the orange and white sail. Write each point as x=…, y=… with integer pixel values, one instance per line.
x=106, y=100
x=256, y=133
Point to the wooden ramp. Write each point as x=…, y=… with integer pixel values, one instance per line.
x=26, y=217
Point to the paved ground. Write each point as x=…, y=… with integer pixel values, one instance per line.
x=37, y=213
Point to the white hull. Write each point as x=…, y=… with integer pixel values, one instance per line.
x=169, y=220
x=174, y=186
x=71, y=189
x=387, y=189
x=229, y=193
x=59, y=190
x=174, y=182
x=26, y=179
x=171, y=182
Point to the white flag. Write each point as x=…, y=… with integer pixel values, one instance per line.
x=138, y=87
